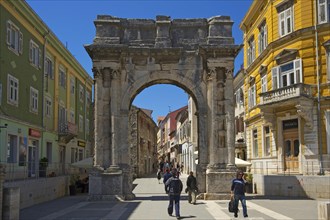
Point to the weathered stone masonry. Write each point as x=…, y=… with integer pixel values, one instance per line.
x=131, y=54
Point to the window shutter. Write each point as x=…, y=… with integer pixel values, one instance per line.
x=31, y=52
x=275, y=78
x=8, y=33
x=237, y=125
x=46, y=65
x=20, y=45
x=297, y=66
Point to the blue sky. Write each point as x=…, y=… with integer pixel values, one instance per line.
x=72, y=23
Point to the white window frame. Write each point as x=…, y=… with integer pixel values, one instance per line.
x=327, y=128
x=285, y=22
x=49, y=68
x=252, y=96
x=35, y=54
x=262, y=38
x=297, y=72
x=264, y=142
x=251, y=51
x=323, y=10
x=264, y=83
x=12, y=90
x=12, y=148
x=81, y=123
x=34, y=100
x=255, y=149
x=48, y=107
x=62, y=77
x=14, y=38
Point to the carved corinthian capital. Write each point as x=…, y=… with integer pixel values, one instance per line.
x=211, y=75
x=96, y=73
x=229, y=73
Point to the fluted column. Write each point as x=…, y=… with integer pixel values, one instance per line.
x=230, y=116
x=115, y=118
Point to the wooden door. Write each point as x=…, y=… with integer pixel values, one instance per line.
x=291, y=150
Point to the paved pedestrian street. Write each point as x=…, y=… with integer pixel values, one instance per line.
x=151, y=203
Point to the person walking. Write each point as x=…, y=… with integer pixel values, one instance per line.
x=166, y=176
x=159, y=175
x=174, y=187
x=238, y=193
x=192, y=188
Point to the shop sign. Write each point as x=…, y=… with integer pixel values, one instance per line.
x=288, y=124
x=81, y=144
x=34, y=133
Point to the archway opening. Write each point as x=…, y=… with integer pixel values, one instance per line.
x=162, y=129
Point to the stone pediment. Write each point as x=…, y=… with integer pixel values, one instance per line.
x=286, y=55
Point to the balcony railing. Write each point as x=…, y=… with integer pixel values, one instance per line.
x=66, y=128
x=285, y=93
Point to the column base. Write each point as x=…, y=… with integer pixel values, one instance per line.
x=218, y=182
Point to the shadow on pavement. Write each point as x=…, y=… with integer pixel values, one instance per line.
x=262, y=197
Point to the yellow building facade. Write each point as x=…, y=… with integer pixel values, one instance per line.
x=287, y=86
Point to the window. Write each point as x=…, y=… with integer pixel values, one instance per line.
x=81, y=93
x=62, y=77
x=88, y=99
x=35, y=54
x=285, y=21
x=328, y=63
x=48, y=107
x=239, y=96
x=327, y=127
x=81, y=123
x=49, y=68
x=255, y=142
x=14, y=38
x=262, y=38
x=49, y=151
x=12, y=92
x=264, y=83
x=80, y=154
x=74, y=154
x=323, y=11
x=33, y=100
x=252, y=96
x=62, y=120
x=72, y=85
x=251, y=53
x=87, y=126
x=267, y=148
x=12, y=149
x=287, y=74
x=72, y=119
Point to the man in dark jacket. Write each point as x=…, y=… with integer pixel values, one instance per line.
x=166, y=176
x=192, y=188
x=238, y=193
x=174, y=188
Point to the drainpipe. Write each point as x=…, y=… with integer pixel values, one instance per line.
x=318, y=92
x=43, y=90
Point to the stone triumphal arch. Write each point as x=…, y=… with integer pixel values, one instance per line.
x=131, y=54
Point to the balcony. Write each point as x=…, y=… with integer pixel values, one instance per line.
x=67, y=131
x=285, y=94
x=298, y=96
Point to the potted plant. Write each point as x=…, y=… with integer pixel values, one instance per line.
x=43, y=164
x=249, y=182
x=73, y=184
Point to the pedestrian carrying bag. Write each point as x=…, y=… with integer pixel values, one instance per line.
x=231, y=206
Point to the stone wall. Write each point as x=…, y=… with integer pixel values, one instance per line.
x=40, y=190
x=313, y=187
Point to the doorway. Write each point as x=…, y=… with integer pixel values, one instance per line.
x=32, y=157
